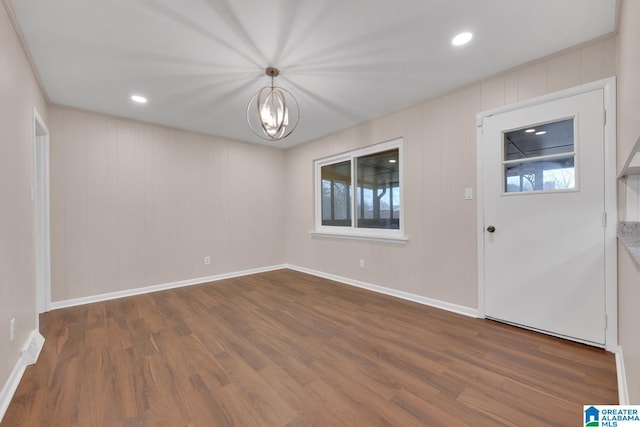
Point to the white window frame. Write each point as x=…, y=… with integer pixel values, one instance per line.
x=352, y=231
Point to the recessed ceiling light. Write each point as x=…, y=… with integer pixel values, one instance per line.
x=392, y=160
x=542, y=132
x=462, y=38
x=139, y=99
x=530, y=130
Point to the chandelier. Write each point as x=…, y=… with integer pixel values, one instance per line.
x=272, y=112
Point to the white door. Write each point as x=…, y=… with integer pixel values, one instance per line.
x=544, y=212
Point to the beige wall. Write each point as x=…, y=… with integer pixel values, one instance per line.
x=628, y=80
x=628, y=133
x=440, y=259
x=19, y=94
x=135, y=205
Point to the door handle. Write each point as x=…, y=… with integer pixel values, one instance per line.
x=491, y=229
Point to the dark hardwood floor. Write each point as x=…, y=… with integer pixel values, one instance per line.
x=288, y=349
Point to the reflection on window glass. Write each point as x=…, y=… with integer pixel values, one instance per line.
x=378, y=190
x=540, y=158
x=537, y=141
x=336, y=194
x=557, y=174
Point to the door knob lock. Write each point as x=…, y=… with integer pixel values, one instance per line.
x=491, y=229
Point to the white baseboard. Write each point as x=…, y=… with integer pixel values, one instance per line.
x=28, y=356
x=459, y=309
x=10, y=387
x=623, y=391
x=155, y=288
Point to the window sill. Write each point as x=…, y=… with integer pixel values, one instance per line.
x=354, y=236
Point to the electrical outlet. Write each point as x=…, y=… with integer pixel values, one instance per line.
x=361, y=263
x=12, y=329
x=207, y=260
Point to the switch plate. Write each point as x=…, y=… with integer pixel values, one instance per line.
x=207, y=260
x=468, y=193
x=12, y=329
x=361, y=263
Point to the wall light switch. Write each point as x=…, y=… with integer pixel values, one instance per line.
x=361, y=263
x=12, y=329
x=207, y=260
x=468, y=193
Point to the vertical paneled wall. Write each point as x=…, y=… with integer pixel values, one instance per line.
x=19, y=94
x=628, y=133
x=135, y=205
x=440, y=259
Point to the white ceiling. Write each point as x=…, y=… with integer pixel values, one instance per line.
x=346, y=61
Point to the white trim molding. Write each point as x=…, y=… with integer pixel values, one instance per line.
x=155, y=288
x=454, y=308
x=623, y=390
x=384, y=239
x=28, y=356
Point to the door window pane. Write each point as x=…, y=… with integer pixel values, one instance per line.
x=557, y=174
x=540, y=158
x=537, y=141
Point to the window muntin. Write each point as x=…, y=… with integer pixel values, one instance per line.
x=540, y=158
x=360, y=193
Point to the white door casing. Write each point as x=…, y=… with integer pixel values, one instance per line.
x=551, y=263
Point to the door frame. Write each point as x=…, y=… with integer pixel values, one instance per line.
x=610, y=203
x=40, y=196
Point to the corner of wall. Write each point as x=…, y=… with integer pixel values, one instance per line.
x=623, y=390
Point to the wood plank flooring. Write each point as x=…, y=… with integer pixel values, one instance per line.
x=288, y=349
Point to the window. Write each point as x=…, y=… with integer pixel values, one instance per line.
x=540, y=158
x=359, y=194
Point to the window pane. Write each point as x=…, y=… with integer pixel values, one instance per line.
x=556, y=174
x=540, y=158
x=541, y=140
x=378, y=190
x=336, y=194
